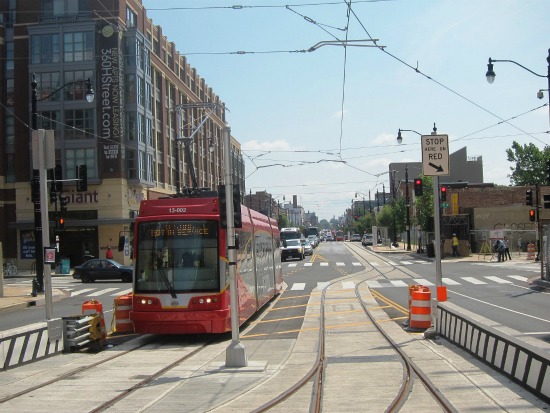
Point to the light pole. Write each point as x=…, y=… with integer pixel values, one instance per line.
x=39, y=178
x=408, y=204
x=490, y=75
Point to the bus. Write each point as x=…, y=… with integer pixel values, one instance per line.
x=290, y=233
x=339, y=235
x=181, y=276
x=311, y=231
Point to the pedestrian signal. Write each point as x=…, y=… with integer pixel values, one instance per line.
x=532, y=215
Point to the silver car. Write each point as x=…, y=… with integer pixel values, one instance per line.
x=308, y=248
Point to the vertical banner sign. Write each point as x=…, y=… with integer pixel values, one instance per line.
x=110, y=101
x=454, y=204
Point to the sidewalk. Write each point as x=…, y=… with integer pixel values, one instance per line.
x=17, y=297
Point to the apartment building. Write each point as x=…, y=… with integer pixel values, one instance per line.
x=153, y=117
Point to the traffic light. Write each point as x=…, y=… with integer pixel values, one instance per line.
x=82, y=176
x=237, y=218
x=61, y=223
x=443, y=194
x=58, y=179
x=63, y=202
x=418, y=187
x=53, y=194
x=532, y=215
x=529, y=197
x=237, y=206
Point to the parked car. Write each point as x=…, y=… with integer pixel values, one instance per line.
x=356, y=237
x=367, y=239
x=292, y=248
x=308, y=248
x=102, y=269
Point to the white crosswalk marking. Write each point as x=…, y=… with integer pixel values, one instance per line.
x=450, y=281
x=473, y=280
x=340, y=264
x=376, y=284
x=423, y=282
x=101, y=292
x=348, y=285
x=322, y=285
x=406, y=262
x=399, y=283
x=324, y=264
x=391, y=263
x=84, y=291
x=123, y=292
x=374, y=264
x=298, y=286
x=292, y=264
x=356, y=264
x=519, y=278
x=498, y=280
x=308, y=264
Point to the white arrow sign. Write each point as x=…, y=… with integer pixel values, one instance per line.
x=435, y=155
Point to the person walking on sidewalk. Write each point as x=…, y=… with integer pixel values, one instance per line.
x=109, y=253
x=455, y=245
x=507, y=249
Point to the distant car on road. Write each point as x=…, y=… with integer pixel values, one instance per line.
x=292, y=248
x=308, y=248
x=102, y=269
x=367, y=239
x=356, y=237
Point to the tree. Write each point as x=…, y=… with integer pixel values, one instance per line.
x=530, y=168
x=283, y=221
x=425, y=205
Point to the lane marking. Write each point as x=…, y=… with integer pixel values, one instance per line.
x=298, y=287
x=498, y=280
x=473, y=280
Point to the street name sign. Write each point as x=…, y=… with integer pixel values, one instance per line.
x=435, y=155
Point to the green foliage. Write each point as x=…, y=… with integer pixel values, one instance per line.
x=425, y=205
x=283, y=221
x=530, y=164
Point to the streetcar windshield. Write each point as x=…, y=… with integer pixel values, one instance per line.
x=177, y=256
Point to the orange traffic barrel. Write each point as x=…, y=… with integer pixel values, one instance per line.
x=420, y=307
x=531, y=251
x=123, y=305
x=95, y=307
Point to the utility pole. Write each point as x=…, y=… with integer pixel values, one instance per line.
x=408, y=203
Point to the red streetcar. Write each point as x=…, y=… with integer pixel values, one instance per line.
x=181, y=275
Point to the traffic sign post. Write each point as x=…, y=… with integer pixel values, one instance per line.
x=435, y=155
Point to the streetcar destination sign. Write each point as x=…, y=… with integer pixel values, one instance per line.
x=435, y=155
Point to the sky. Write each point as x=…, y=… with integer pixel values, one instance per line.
x=322, y=124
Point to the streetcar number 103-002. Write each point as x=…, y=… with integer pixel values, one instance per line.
x=177, y=210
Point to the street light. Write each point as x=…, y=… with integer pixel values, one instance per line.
x=40, y=203
x=491, y=78
x=491, y=74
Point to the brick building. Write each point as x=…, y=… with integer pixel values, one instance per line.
x=151, y=106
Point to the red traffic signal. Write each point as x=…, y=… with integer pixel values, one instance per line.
x=443, y=194
x=418, y=187
x=532, y=215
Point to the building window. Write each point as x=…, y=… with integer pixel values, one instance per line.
x=140, y=91
x=9, y=56
x=131, y=164
x=78, y=46
x=77, y=84
x=150, y=166
x=79, y=124
x=131, y=125
x=149, y=131
x=141, y=128
x=139, y=54
x=130, y=94
x=131, y=17
x=45, y=48
x=49, y=120
x=141, y=171
x=82, y=156
x=61, y=7
x=46, y=84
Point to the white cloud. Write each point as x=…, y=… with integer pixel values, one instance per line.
x=254, y=145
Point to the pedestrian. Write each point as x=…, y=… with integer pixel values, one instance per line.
x=455, y=245
x=499, y=248
x=109, y=253
x=507, y=249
